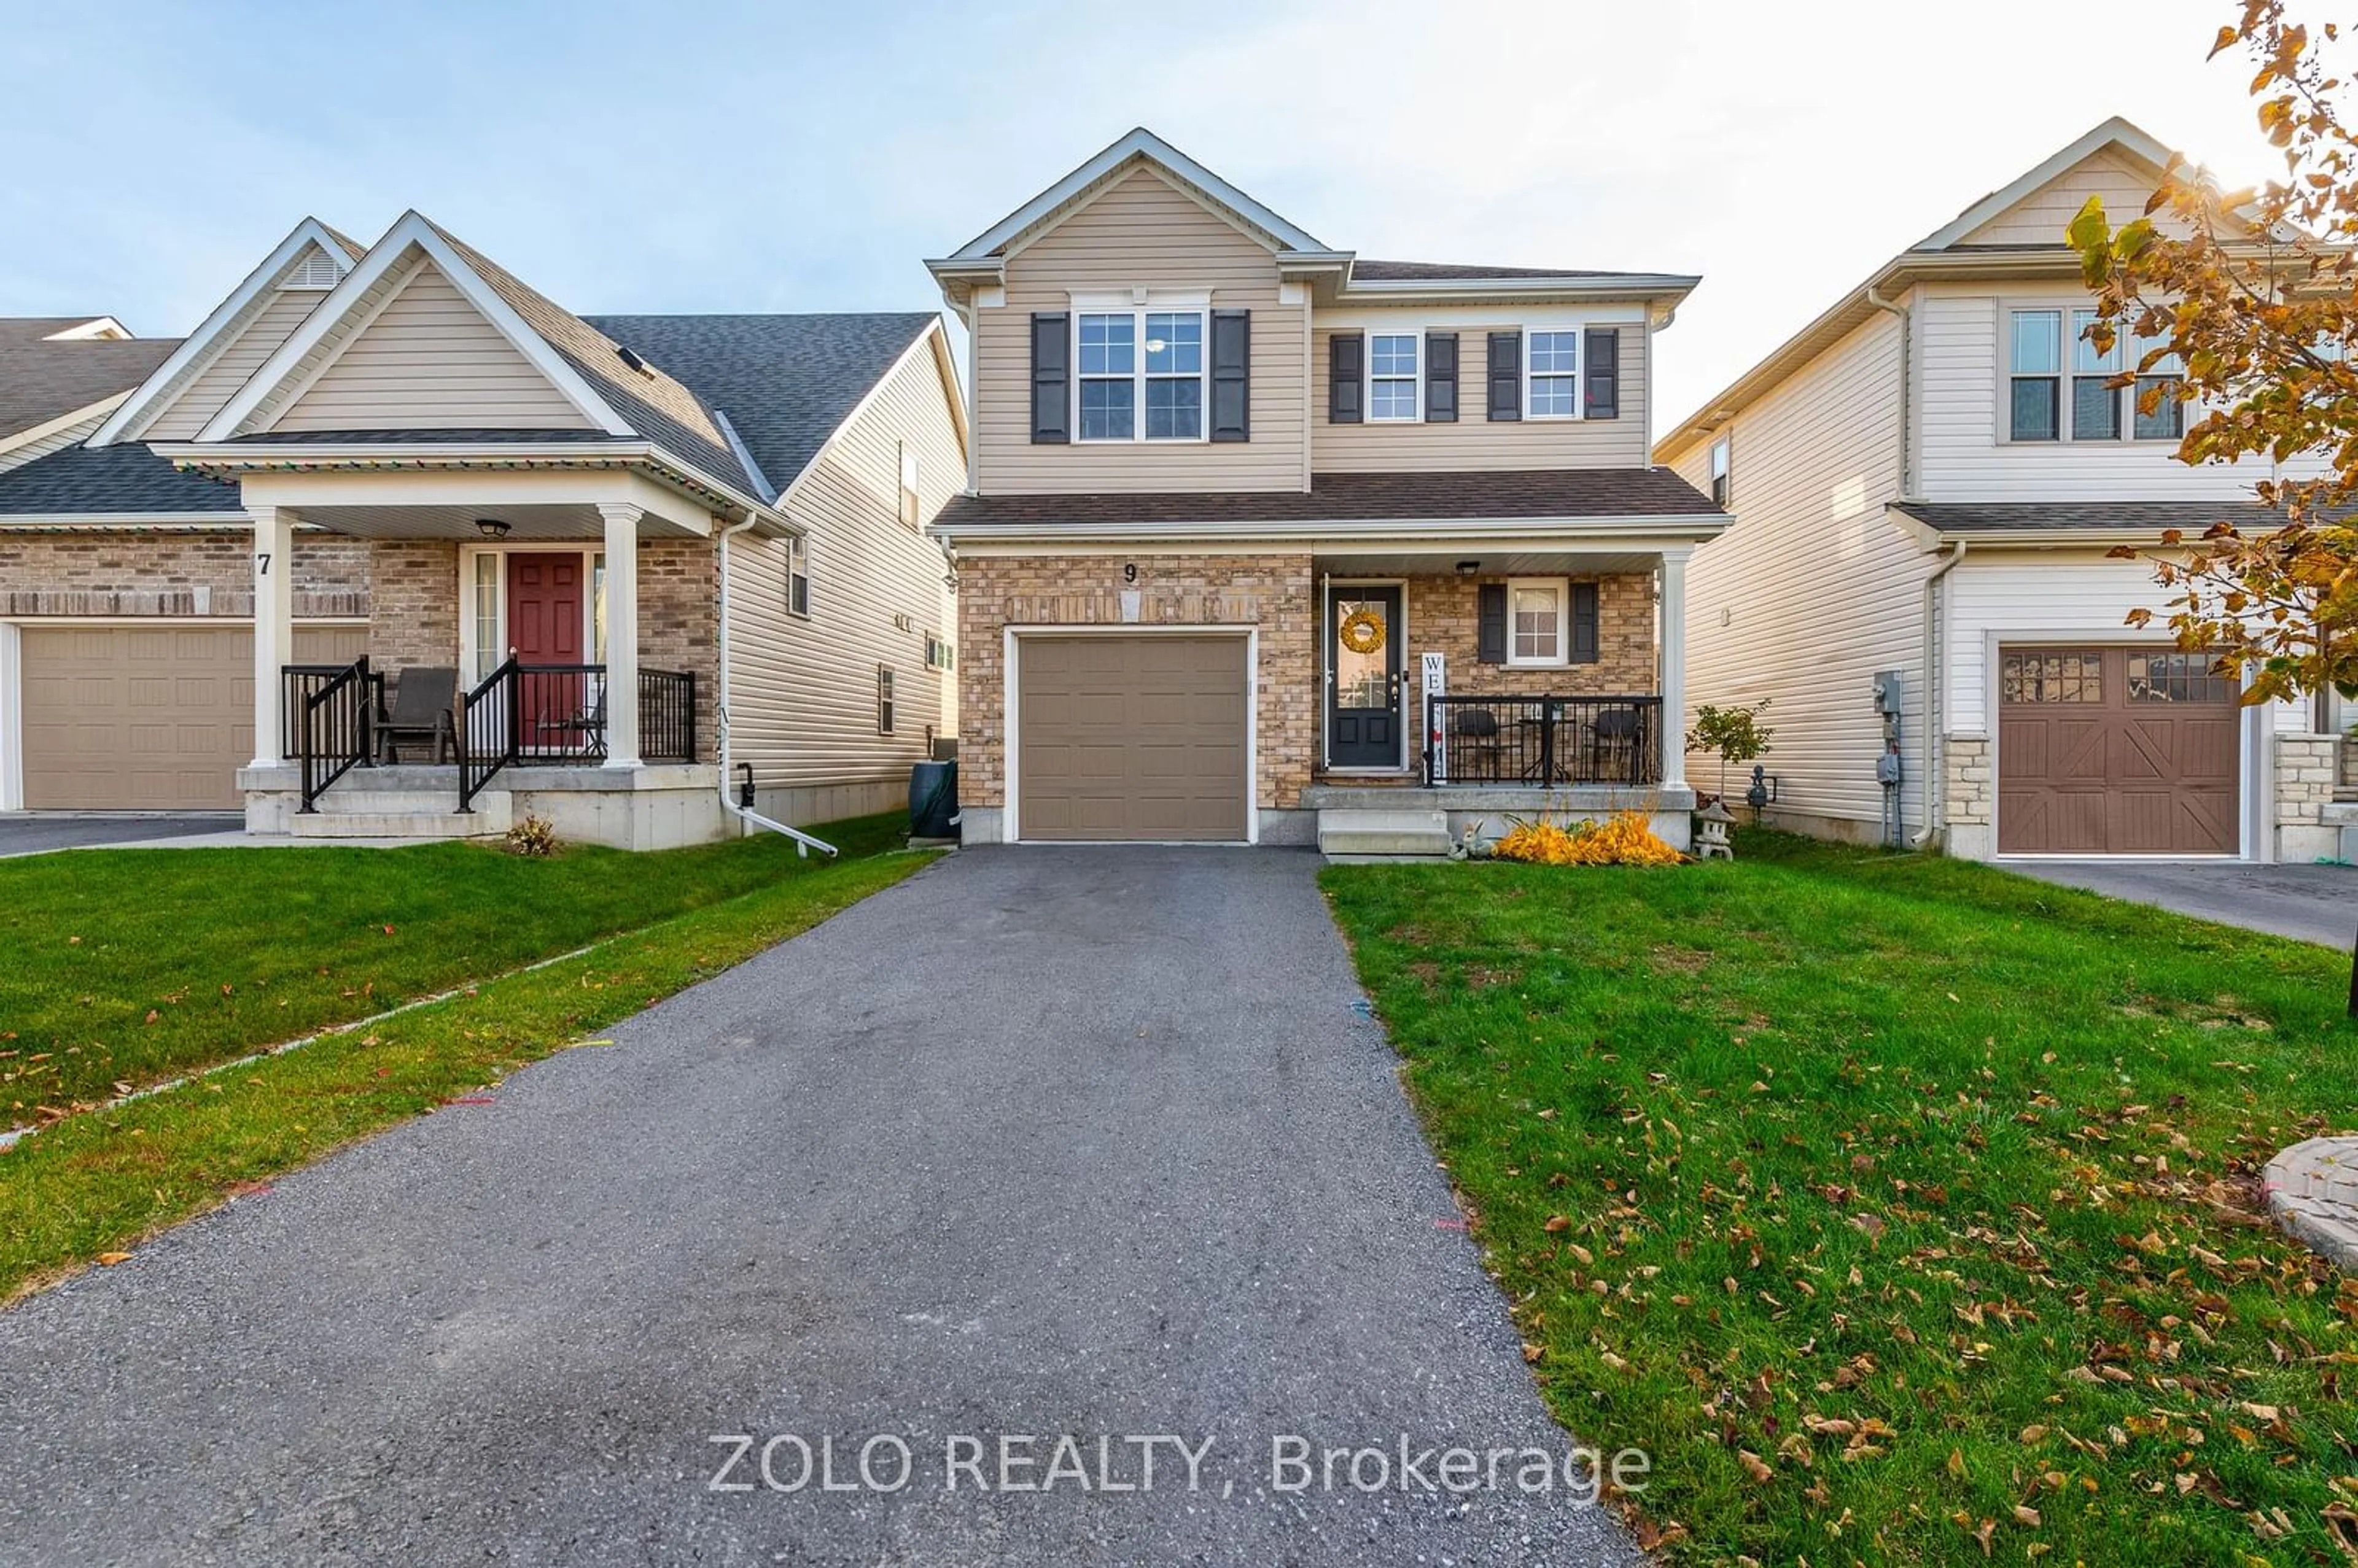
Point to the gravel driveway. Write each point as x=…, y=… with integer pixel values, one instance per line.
x=1040, y=1142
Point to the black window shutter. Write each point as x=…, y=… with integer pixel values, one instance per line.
x=1601, y=368
x=1345, y=366
x=1231, y=375
x=1505, y=375
x=1441, y=377
x=1490, y=621
x=1584, y=624
x=1052, y=356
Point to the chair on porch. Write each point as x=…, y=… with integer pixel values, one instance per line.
x=423, y=701
x=579, y=729
x=1474, y=743
x=1613, y=746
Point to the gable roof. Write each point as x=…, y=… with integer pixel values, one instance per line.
x=1140, y=146
x=17, y=331
x=191, y=355
x=44, y=378
x=1938, y=253
x=785, y=382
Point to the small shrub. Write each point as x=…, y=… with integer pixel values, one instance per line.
x=535, y=838
x=1624, y=839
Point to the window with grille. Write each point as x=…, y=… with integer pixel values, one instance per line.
x=883, y=699
x=2178, y=677
x=2051, y=678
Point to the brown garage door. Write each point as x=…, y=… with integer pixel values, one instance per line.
x=146, y=718
x=1130, y=737
x=2115, y=751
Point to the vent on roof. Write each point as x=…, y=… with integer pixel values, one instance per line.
x=633, y=361
x=317, y=271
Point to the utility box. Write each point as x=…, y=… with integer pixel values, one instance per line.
x=1888, y=690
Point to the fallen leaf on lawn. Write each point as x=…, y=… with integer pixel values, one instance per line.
x=1582, y=1253
x=2259, y=1412
x=2023, y=1515
x=153, y=1016
x=1956, y=1462
x=2341, y=1528
x=1532, y=1353
x=1613, y=1361
x=1556, y=1222
x=1870, y=1226
x=2033, y=1434
x=112, y=1259
x=1754, y=1465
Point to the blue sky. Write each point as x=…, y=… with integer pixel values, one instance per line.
x=794, y=156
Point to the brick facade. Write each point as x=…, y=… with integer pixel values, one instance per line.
x=679, y=621
x=413, y=611
x=1272, y=592
x=1444, y=617
x=129, y=572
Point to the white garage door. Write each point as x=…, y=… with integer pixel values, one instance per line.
x=147, y=717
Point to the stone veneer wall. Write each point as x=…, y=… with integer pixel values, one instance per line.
x=1273, y=592
x=2307, y=769
x=1445, y=616
x=679, y=621
x=129, y=572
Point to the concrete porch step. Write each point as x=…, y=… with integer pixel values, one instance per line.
x=403, y=814
x=1363, y=833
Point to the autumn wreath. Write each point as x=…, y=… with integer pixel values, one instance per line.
x=1363, y=631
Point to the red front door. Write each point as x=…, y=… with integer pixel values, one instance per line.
x=559, y=711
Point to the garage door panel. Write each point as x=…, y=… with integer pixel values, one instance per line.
x=2115, y=750
x=139, y=718
x=1131, y=737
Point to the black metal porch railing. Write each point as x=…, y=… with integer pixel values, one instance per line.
x=524, y=713
x=301, y=681
x=333, y=730
x=1543, y=741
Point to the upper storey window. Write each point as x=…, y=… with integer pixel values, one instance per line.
x=2046, y=403
x=1392, y=375
x=1139, y=375
x=1555, y=375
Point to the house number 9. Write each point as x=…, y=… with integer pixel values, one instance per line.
x=1129, y=571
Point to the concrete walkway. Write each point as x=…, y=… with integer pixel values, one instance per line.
x=2313, y=903
x=1089, y=1143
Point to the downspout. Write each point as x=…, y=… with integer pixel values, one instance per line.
x=1935, y=783
x=803, y=842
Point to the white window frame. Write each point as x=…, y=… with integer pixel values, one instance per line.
x=1416, y=378
x=798, y=567
x=912, y=508
x=1721, y=473
x=2128, y=347
x=1141, y=377
x=473, y=667
x=1561, y=586
x=1579, y=331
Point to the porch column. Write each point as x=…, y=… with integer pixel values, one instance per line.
x=274, y=628
x=621, y=633
x=1674, y=666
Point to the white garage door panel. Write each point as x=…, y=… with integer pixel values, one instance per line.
x=146, y=718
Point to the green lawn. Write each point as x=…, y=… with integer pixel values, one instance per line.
x=118, y=968
x=1903, y=1209
x=98, y=1182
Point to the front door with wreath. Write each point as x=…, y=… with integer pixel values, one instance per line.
x=1363, y=688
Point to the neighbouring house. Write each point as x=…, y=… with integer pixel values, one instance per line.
x=396, y=468
x=1925, y=481
x=1264, y=542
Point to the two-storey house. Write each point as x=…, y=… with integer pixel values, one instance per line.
x=1927, y=479
x=393, y=544
x=1257, y=529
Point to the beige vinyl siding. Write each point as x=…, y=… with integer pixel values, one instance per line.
x=1962, y=385
x=57, y=440
x=233, y=362
x=1473, y=443
x=1812, y=590
x=2040, y=218
x=430, y=361
x=1141, y=232
x=802, y=692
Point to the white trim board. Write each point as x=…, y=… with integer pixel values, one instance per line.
x=1010, y=683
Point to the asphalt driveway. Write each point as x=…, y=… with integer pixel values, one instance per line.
x=37, y=833
x=1039, y=1143
x=2312, y=902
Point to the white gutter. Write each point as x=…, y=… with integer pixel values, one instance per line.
x=1906, y=379
x=1691, y=526
x=1935, y=786
x=803, y=842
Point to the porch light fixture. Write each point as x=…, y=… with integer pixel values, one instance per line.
x=1468, y=569
x=491, y=528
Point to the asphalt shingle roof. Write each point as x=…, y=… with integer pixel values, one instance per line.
x=98, y=481
x=785, y=382
x=2031, y=518
x=1417, y=271
x=40, y=381
x=1357, y=497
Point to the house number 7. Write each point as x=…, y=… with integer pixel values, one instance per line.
x=262, y=562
